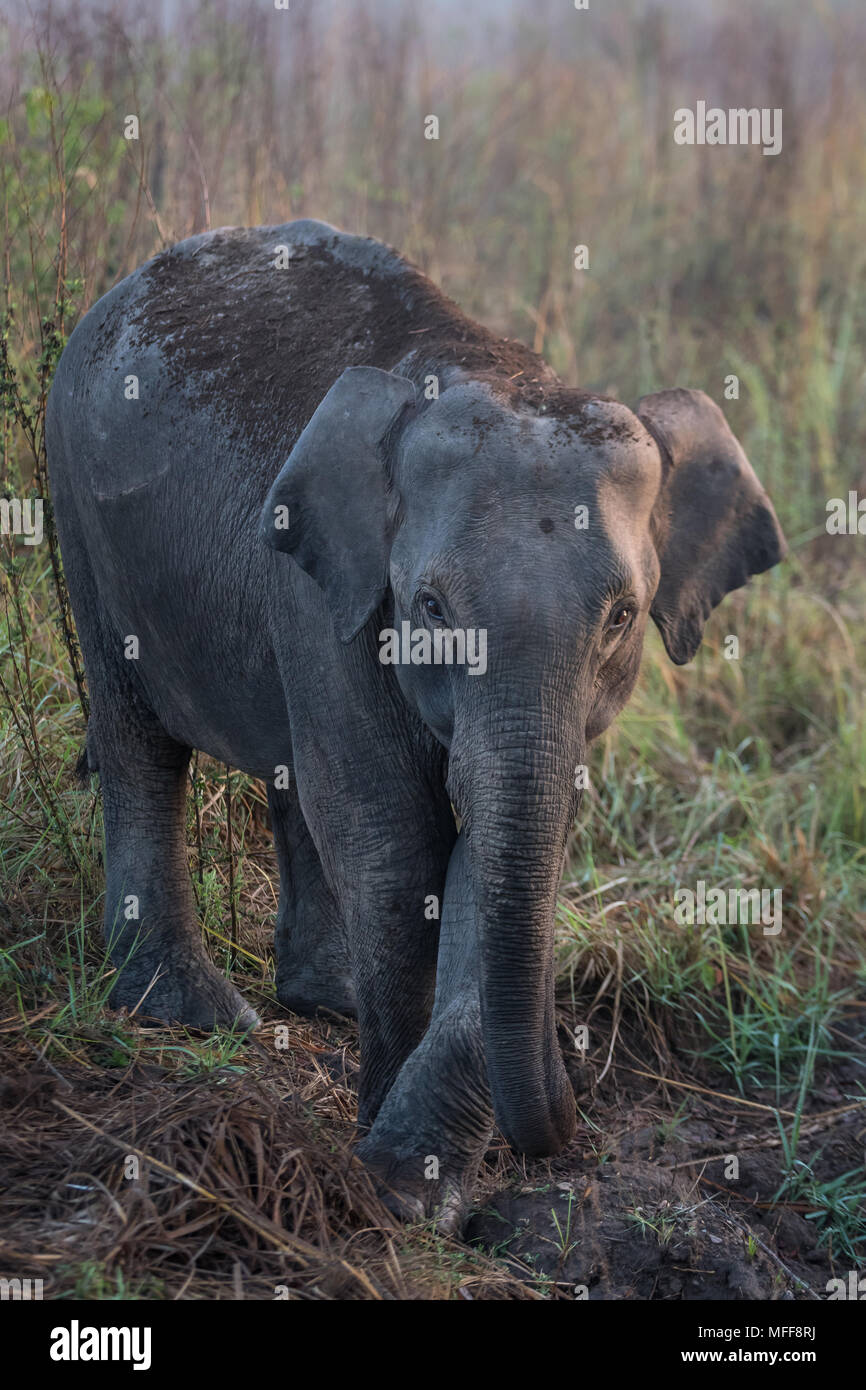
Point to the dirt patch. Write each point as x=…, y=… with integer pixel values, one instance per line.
x=624, y=1231
x=660, y=1200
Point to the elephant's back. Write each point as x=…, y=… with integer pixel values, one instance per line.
x=242, y=329
x=264, y=319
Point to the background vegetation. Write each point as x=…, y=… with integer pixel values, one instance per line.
x=555, y=129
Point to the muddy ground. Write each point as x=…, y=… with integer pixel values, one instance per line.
x=244, y=1185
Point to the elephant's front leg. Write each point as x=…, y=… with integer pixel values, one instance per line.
x=436, y=1121
x=384, y=842
x=310, y=942
x=394, y=941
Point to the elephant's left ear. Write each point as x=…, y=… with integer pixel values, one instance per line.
x=713, y=523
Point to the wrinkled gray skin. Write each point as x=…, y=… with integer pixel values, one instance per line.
x=304, y=388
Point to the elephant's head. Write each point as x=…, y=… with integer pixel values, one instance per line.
x=558, y=534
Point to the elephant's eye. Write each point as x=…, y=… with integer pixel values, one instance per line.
x=432, y=607
x=621, y=616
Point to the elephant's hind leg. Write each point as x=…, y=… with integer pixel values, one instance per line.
x=310, y=943
x=150, y=917
x=151, y=924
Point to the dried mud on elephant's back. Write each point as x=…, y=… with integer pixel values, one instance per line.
x=327, y=312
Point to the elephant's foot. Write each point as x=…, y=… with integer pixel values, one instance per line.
x=428, y=1139
x=188, y=989
x=307, y=994
x=421, y=1187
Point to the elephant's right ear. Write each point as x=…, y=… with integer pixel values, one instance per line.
x=331, y=507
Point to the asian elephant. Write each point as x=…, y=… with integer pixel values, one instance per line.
x=321, y=525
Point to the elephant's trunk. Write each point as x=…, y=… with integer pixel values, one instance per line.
x=520, y=802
